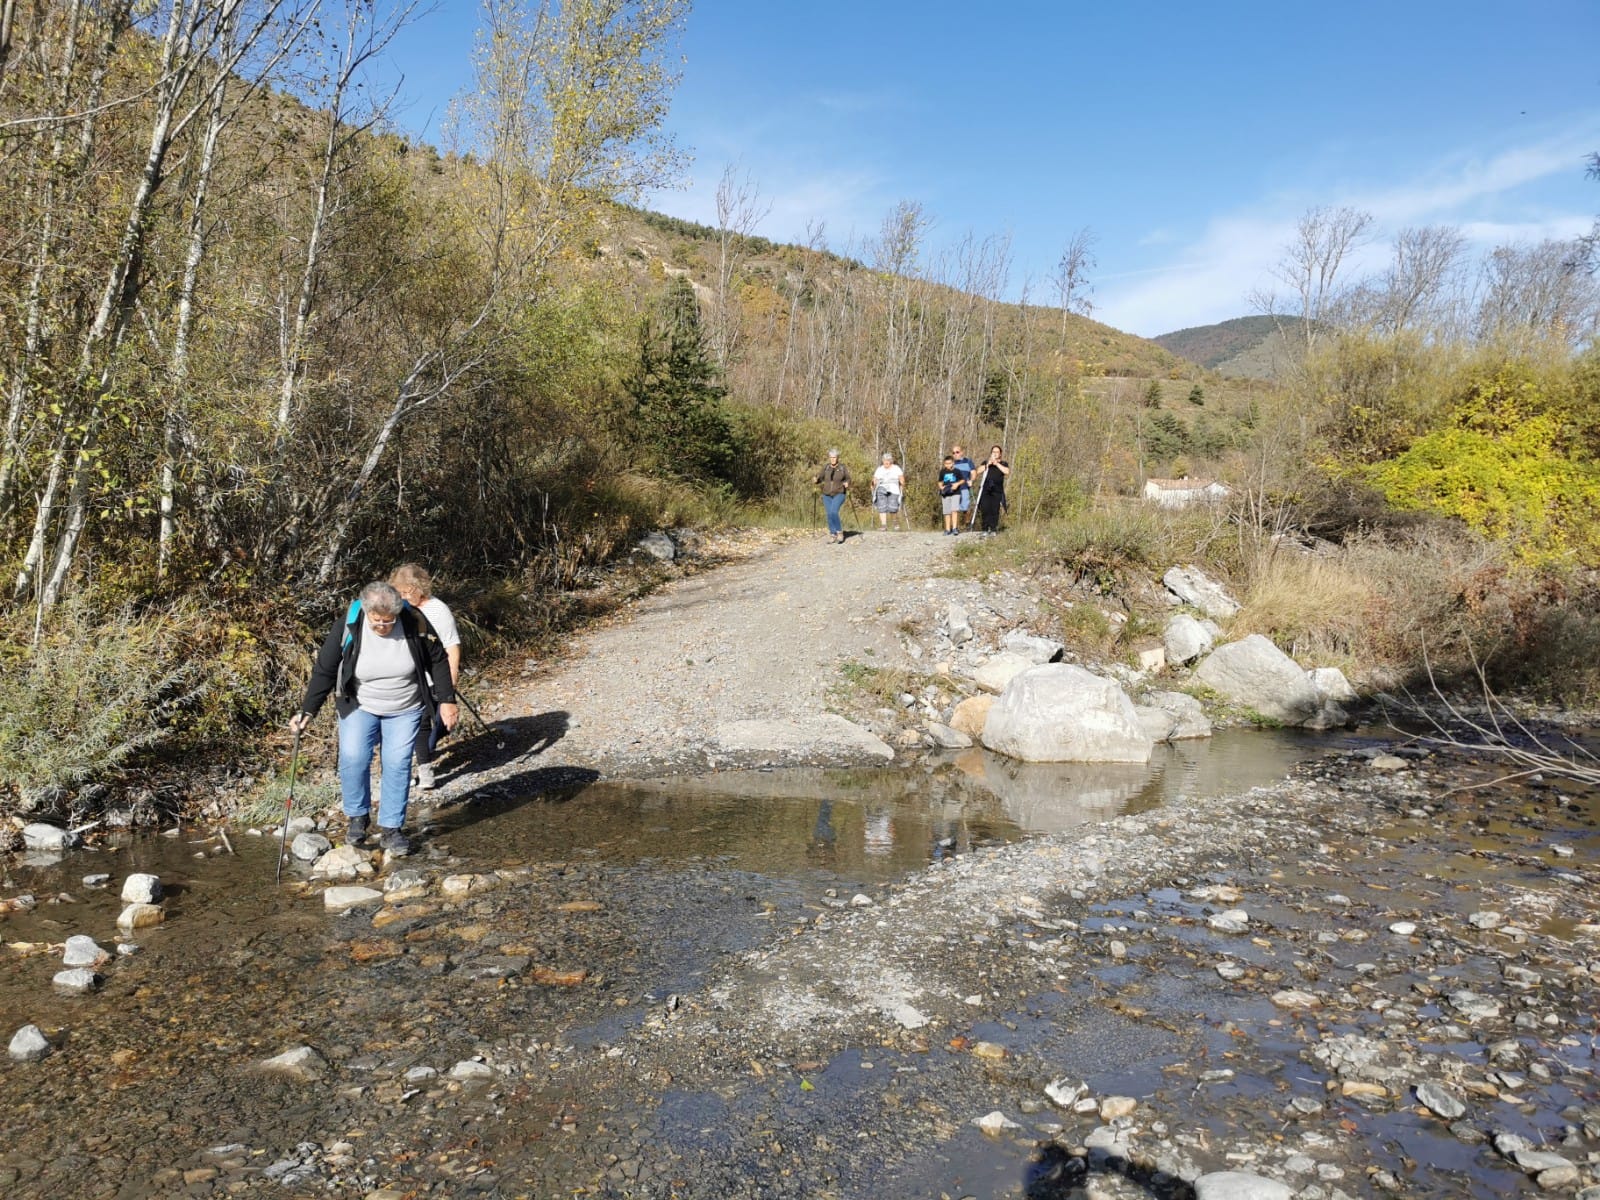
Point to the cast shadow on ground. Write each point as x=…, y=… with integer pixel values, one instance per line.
x=477, y=748
x=1053, y=1173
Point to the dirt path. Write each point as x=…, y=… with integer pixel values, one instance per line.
x=762, y=639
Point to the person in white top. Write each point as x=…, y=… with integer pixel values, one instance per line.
x=415, y=586
x=888, y=493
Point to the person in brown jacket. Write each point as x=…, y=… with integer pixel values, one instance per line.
x=834, y=479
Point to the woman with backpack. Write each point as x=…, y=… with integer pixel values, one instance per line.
x=415, y=586
x=387, y=674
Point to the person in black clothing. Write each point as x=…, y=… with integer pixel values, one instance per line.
x=950, y=485
x=388, y=676
x=990, y=487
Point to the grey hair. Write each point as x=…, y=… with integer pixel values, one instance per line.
x=833, y=453
x=381, y=599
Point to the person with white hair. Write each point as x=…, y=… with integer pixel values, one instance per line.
x=888, y=492
x=387, y=673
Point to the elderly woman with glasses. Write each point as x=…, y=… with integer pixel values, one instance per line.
x=389, y=675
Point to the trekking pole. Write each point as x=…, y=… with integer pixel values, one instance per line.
x=473, y=709
x=288, y=803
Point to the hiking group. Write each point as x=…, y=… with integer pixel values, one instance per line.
x=391, y=663
x=963, y=488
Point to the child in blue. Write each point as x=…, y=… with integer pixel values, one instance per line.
x=950, y=485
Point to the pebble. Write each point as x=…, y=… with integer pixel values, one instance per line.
x=1230, y=971
x=1486, y=920
x=83, y=951
x=1066, y=1092
x=97, y=880
x=1295, y=998
x=28, y=1044
x=141, y=889
x=470, y=1069
x=341, y=898
x=1234, y=920
x=140, y=916
x=1403, y=928
x=1439, y=1101
x=995, y=1123
x=1113, y=1107
x=308, y=847
x=79, y=980
x=861, y=900
x=1388, y=762
x=298, y=1062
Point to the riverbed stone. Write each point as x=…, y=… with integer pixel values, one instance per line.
x=1198, y=590
x=947, y=738
x=78, y=980
x=470, y=1069
x=308, y=847
x=141, y=889
x=957, y=625
x=971, y=714
x=40, y=835
x=1474, y=1007
x=1063, y=713
x=995, y=673
x=1439, y=1101
x=341, y=898
x=1233, y=920
x=343, y=862
x=1254, y=673
x=1239, y=1185
x=1157, y=723
x=81, y=950
x=826, y=734
x=1331, y=684
x=298, y=1062
x=1295, y=998
x=466, y=884
x=28, y=1044
x=995, y=1123
x=1188, y=716
x=98, y=879
x=140, y=916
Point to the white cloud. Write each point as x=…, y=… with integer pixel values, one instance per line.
x=1493, y=201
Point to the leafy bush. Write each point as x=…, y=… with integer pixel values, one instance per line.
x=92, y=695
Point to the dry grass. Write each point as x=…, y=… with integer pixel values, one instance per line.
x=1318, y=607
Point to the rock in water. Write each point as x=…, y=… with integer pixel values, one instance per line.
x=141, y=889
x=1254, y=673
x=140, y=916
x=309, y=846
x=1440, y=1102
x=971, y=714
x=78, y=979
x=83, y=951
x=1239, y=1185
x=28, y=1044
x=1063, y=713
x=40, y=836
x=300, y=1062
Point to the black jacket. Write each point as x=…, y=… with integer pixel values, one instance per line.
x=335, y=668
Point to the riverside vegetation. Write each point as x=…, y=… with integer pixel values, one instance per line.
x=258, y=346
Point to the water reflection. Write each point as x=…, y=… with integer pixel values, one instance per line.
x=868, y=824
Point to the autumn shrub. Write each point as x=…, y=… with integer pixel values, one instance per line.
x=1319, y=606
x=97, y=692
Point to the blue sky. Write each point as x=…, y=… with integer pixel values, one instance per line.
x=1189, y=137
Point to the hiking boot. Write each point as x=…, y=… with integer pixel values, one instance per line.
x=393, y=843
x=355, y=833
x=425, y=779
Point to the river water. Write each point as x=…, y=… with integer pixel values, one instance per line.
x=156, y=1067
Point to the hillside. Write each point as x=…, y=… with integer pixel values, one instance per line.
x=1243, y=348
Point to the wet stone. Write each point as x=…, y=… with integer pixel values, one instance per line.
x=299, y=1062
x=1486, y=920
x=140, y=916
x=28, y=1044
x=1439, y=1101
x=83, y=951
x=141, y=889
x=1234, y=920
x=469, y=1069
x=98, y=880
x=78, y=980
x=340, y=898
x=308, y=847
x=40, y=836
x=995, y=1123
x=1231, y=971
x=1474, y=1007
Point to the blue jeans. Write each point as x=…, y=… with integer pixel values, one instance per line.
x=834, y=505
x=359, y=735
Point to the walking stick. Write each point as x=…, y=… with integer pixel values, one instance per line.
x=473, y=709
x=288, y=803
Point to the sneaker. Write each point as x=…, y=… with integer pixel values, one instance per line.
x=425, y=779
x=393, y=843
x=355, y=833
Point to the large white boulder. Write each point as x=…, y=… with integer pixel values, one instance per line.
x=1196, y=589
x=1186, y=639
x=1063, y=713
x=1332, y=685
x=1254, y=673
x=1000, y=670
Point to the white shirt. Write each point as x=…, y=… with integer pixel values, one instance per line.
x=890, y=479
x=438, y=614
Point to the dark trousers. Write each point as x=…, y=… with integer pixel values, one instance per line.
x=989, y=506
